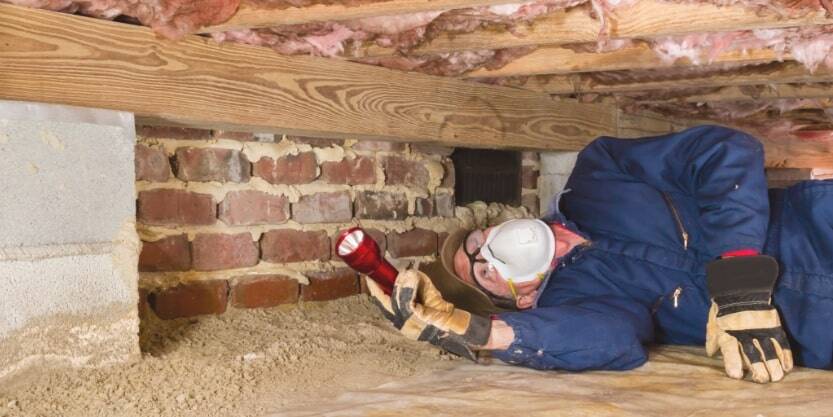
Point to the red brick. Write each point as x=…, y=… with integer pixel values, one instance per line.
x=531, y=202
x=441, y=237
x=212, y=164
x=377, y=235
x=168, y=132
x=175, y=207
x=323, y=208
x=152, y=164
x=290, y=169
x=381, y=205
x=379, y=146
x=316, y=142
x=401, y=171
x=287, y=245
x=361, y=170
x=239, y=136
x=143, y=306
x=529, y=177
x=424, y=207
x=448, y=174
x=444, y=204
x=325, y=286
x=214, y=252
x=431, y=149
x=249, y=207
x=417, y=242
x=264, y=291
x=172, y=253
x=192, y=299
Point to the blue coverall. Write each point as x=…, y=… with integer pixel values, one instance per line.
x=656, y=211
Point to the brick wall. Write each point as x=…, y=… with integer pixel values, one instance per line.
x=239, y=220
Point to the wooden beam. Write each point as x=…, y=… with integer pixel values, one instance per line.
x=786, y=152
x=645, y=19
x=59, y=58
x=796, y=153
x=558, y=60
x=781, y=73
x=763, y=93
x=252, y=15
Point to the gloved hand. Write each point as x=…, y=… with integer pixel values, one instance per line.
x=742, y=322
x=418, y=310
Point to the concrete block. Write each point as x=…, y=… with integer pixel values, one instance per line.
x=68, y=247
x=548, y=187
x=558, y=162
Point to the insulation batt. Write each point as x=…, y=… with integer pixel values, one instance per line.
x=170, y=18
x=405, y=32
x=787, y=8
x=401, y=32
x=451, y=64
x=756, y=117
x=284, y=4
x=811, y=46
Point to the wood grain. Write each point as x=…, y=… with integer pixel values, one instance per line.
x=765, y=93
x=796, y=153
x=59, y=58
x=559, y=60
x=251, y=15
x=645, y=19
x=788, y=72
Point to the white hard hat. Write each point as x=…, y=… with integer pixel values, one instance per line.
x=521, y=250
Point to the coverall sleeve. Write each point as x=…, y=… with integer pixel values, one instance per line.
x=588, y=334
x=721, y=168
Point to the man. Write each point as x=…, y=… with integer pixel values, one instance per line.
x=671, y=239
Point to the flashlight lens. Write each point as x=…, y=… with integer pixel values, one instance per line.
x=350, y=242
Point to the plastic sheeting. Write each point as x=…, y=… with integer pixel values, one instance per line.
x=677, y=381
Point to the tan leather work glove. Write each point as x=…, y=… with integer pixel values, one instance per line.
x=418, y=310
x=743, y=324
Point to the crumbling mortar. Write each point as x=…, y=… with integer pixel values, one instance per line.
x=152, y=233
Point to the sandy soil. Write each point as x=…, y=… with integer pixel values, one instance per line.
x=243, y=363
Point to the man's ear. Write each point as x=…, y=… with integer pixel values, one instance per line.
x=526, y=301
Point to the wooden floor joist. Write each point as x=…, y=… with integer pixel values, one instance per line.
x=250, y=16
x=779, y=73
x=560, y=60
x=764, y=93
x=59, y=58
x=646, y=19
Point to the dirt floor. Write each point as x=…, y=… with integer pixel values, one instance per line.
x=242, y=363
x=676, y=382
x=342, y=359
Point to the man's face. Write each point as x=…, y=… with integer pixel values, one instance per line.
x=481, y=274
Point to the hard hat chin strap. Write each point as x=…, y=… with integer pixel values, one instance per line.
x=514, y=290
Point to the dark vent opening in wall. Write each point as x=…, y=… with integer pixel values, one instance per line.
x=487, y=175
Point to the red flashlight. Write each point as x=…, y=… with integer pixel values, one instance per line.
x=360, y=252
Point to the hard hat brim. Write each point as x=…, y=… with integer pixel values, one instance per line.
x=456, y=291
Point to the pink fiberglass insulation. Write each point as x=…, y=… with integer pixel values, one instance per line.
x=170, y=18
x=787, y=8
x=811, y=46
x=284, y=4
x=778, y=120
x=401, y=32
x=331, y=38
x=453, y=63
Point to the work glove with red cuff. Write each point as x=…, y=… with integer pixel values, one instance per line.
x=416, y=308
x=743, y=324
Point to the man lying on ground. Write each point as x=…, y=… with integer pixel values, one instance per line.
x=671, y=239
